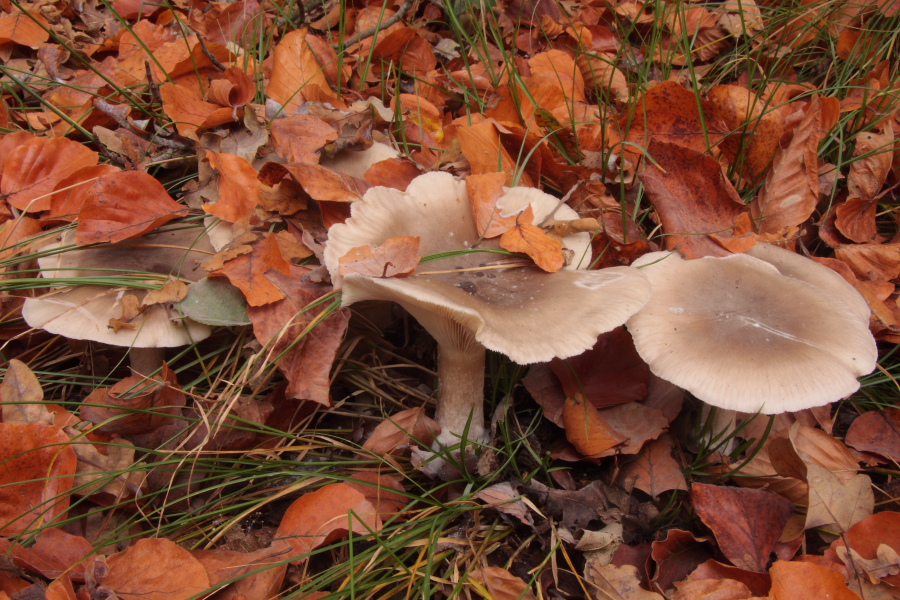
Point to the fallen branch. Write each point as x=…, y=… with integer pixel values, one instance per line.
x=367, y=33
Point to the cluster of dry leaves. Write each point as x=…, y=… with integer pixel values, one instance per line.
x=176, y=93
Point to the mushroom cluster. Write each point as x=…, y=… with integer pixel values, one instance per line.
x=767, y=331
x=86, y=311
x=472, y=301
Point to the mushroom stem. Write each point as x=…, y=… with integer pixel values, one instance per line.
x=461, y=381
x=146, y=361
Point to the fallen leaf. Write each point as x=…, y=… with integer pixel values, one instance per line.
x=692, y=198
x=620, y=583
x=668, y=113
x=65, y=205
x=34, y=169
x=586, y=429
x=305, y=362
x=869, y=534
x=876, y=431
x=235, y=88
x=190, y=112
x=395, y=257
x=711, y=589
x=296, y=73
x=55, y=553
x=677, y=556
x=655, y=471
x=252, y=272
x=22, y=396
x=300, y=138
x=124, y=205
x=323, y=184
x=885, y=564
x=856, y=220
x=871, y=262
x=30, y=29
x=323, y=516
x=798, y=580
x=109, y=473
x=871, y=163
x=256, y=575
x=383, y=491
x=481, y=145
x=747, y=523
x=155, y=569
x=504, y=498
x=484, y=190
x=501, y=584
x=136, y=404
x=791, y=190
x=238, y=187
x=545, y=251
x=397, y=431
x=834, y=504
x=36, y=476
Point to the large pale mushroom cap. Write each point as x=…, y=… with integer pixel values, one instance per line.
x=743, y=334
x=523, y=312
x=83, y=312
x=357, y=162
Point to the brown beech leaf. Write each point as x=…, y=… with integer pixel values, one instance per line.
x=234, y=88
x=747, y=523
x=250, y=273
x=504, y=498
x=620, y=583
x=692, y=198
x=38, y=466
x=873, y=155
x=835, y=504
x=654, y=471
x=501, y=584
x=323, y=516
x=55, y=552
x=395, y=257
x=856, y=220
x=586, y=429
x=877, y=431
x=757, y=130
x=815, y=446
x=791, y=190
x=399, y=430
x=299, y=138
x=484, y=191
x=155, y=569
x=801, y=580
x=323, y=184
x=677, y=556
x=545, y=251
x=395, y=173
x=30, y=30
x=383, y=491
x=190, y=112
x=634, y=422
x=609, y=373
x=66, y=203
x=667, y=112
x=125, y=205
x=711, y=589
x=871, y=262
x=866, y=537
x=136, y=404
x=258, y=574
x=21, y=396
x=481, y=145
x=238, y=187
x=306, y=362
x=33, y=170
x=297, y=75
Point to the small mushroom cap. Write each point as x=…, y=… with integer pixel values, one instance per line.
x=356, y=162
x=83, y=312
x=740, y=335
x=523, y=312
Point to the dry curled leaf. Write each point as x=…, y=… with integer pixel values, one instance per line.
x=395, y=257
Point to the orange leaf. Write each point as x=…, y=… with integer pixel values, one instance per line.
x=248, y=271
x=655, y=471
x=190, y=112
x=321, y=183
x=66, y=204
x=296, y=73
x=586, y=429
x=124, y=205
x=56, y=552
x=398, y=431
x=856, y=220
x=481, y=146
x=395, y=173
x=299, y=138
x=484, y=190
x=545, y=251
x=25, y=30
x=238, y=187
x=501, y=584
x=33, y=170
x=692, y=198
x=323, y=516
x=155, y=569
x=37, y=474
x=395, y=257
x=235, y=88
x=802, y=580
x=669, y=113
x=306, y=362
x=873, y=155
x=135, y=404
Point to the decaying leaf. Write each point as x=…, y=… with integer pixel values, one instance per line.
x=397, y=432
x=500, y=584
x=545, y=251
x=155, y=569
x=834, y=504
x=876, y=431
x=395, y=257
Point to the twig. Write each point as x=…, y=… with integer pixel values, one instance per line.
x=115, y=113
x=215, y=61
x=401, y=12
x=154, y=89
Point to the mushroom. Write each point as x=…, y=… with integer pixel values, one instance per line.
x=475, y=300
x=768, y=331
x=84, y=312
